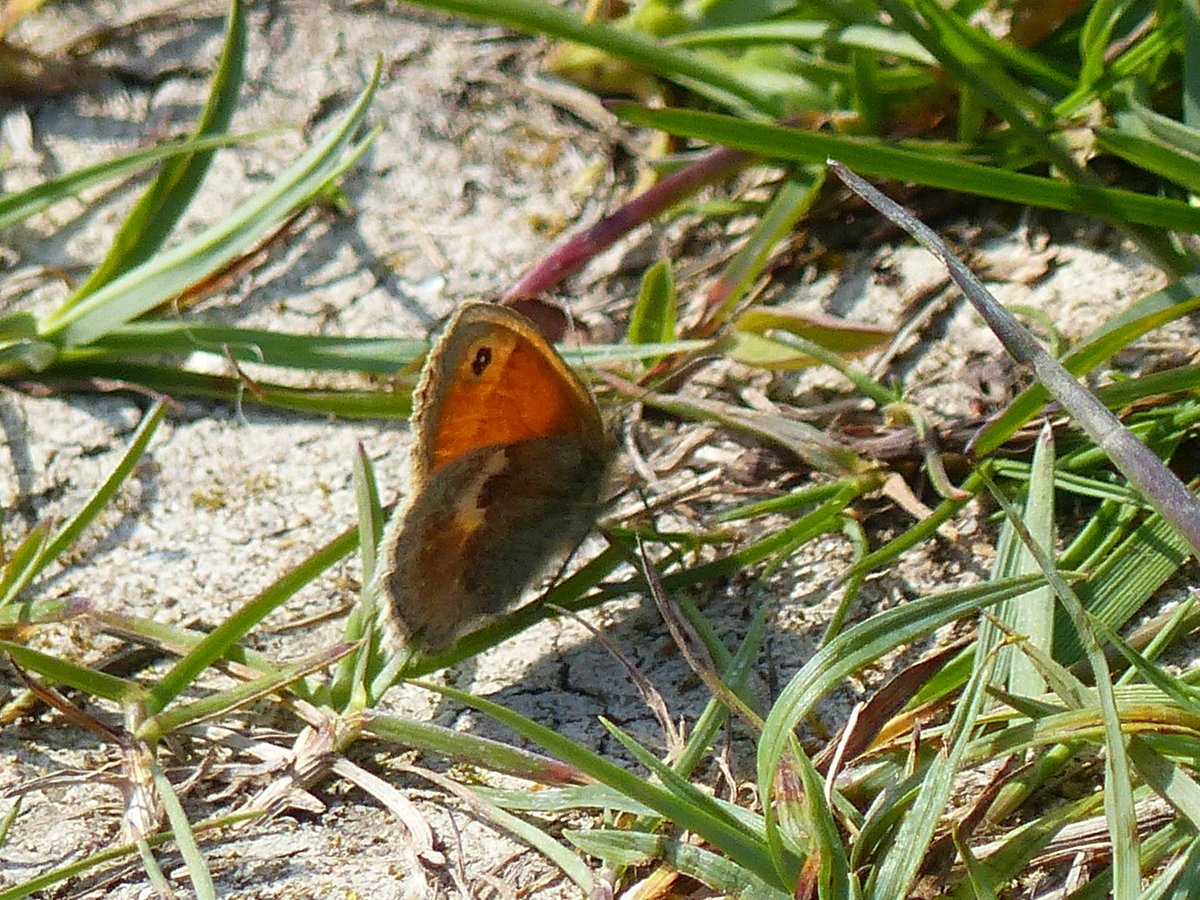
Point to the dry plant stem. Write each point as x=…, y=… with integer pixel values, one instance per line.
x=705, y=669
x=650, y=695
x=568, y=258
x=1133, y=459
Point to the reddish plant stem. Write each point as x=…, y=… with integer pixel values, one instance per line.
x=571, y=256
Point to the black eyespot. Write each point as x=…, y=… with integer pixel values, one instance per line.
x=483, y=359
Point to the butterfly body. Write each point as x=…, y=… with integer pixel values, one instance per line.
x=506, y=473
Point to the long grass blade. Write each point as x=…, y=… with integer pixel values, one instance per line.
x=168, y=273
x=884, y=160
x=152, y=219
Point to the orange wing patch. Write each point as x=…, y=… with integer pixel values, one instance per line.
x=505, y=390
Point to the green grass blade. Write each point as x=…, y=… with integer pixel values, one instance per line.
x=155, y=215
x=861, y=645
x=977, y=876
x=533, y=17
x=220, y=703
x=1094, y=39
x=653, y=316
x=565, y=799
x=349, y=686
x=1178, y=878
x=730, y=839
x=63, y=671
x=380, y=356
x=791, y=203
x=223, y=638
x=17, y=207
x=74, y=527
x=1168, y=305
x=630, y=848
x=1125, y=580
x=462, y=747
x=103, y=375
x=833, y=874
x=185, y=837
x=1151, y=155
x=22, y=565
x=89, y=863
x=1118, y=789
x=898, y=869
x=882, y=40
x=1033, y=614
x=885, y=160
x=1169, y=780
x=676, y=783
x=170, y=272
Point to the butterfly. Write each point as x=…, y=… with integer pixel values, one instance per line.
x=506, y=472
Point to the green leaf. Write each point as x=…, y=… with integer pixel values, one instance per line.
x=653, y=317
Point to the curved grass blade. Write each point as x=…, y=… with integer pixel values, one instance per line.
x=714, y=871
x=533, y=17
x=1131, y=457
x=735, y=840
x=21, y=205
x=861, y=645
x=885, y=160
x=570, y=864
x=166, y=274
x=22, y=565
x=155, y=215
x=70, y=530
x=478, y=751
